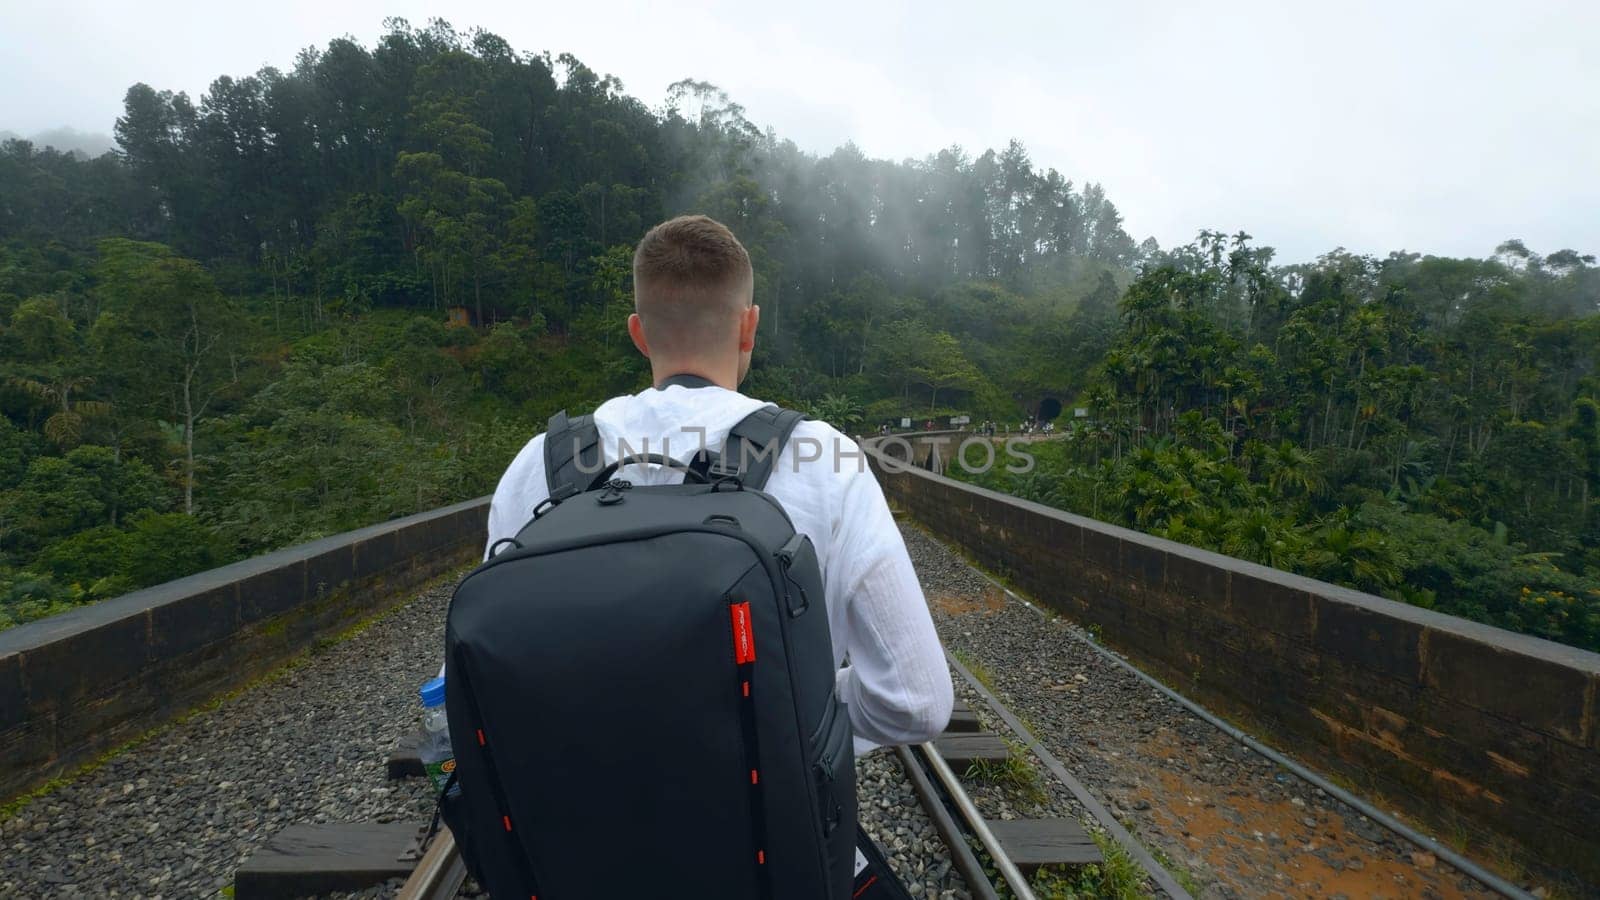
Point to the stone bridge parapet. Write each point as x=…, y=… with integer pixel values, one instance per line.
x=1450, y=720
x=77, y=684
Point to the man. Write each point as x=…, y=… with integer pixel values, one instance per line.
x=695, y=316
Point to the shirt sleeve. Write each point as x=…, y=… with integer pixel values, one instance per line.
x=521, y=488
x=897, y=683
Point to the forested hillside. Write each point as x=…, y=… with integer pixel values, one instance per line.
x=231, y=335
x=319, y=297
x=1425, y=429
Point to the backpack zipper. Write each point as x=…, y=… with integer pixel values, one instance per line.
x=831, y=815
x=519, y=851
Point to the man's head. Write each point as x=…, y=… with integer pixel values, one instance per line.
x=693, y=300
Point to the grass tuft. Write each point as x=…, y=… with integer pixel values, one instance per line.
x=1117, y=878
x=978, y=669
x=1016, y=774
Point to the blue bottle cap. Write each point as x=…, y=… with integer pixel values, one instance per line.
x=433, y=692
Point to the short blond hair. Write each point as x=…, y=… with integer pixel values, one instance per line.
x=691, y=279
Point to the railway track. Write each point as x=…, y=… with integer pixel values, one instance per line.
x=441, y=872
x=957, y=819
x=978, y=852
x=940, y=788
x=1423, y=842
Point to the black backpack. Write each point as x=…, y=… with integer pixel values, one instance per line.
x=640, y=689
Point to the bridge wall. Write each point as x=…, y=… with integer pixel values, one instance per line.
x=88, y=680
x=1454, y=722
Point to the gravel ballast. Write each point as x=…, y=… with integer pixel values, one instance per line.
x=889, y=813
x=174, y=815
x=1234, y=823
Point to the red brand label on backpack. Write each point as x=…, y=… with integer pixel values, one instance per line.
x=744, y=640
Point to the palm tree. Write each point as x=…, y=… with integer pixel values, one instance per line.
x=1358, y=557
x=1293, y=472
x=837, y=410
x=1261, y=536
x=65, y=426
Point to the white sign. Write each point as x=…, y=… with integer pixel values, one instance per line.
x=905, y=422
x=960, y=420
x=1081, y=413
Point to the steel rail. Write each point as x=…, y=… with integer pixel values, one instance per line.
x=441, y=871
x=439, y=874
x=1158, y=873
x=1450, y=857
x=1446, y=855
x=980, y=829
x=961, y=855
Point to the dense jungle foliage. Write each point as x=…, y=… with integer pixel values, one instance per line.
x=1424, y=429
x=322, y=297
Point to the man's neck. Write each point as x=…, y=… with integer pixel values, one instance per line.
x=713, y=374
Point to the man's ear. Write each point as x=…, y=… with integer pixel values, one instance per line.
x=636, y=331
x=748, y=322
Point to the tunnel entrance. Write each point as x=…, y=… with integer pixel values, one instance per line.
x=1049, y=408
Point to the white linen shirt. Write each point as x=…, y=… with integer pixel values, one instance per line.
x=896, y=684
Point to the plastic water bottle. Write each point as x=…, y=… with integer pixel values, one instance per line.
x=438, y=759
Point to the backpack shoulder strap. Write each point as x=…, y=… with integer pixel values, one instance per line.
x=754, y=443
x=569, y=443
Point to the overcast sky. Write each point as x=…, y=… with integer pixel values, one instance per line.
x=1440, y=127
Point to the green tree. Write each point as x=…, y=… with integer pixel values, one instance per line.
x=48, y=367
x=838, y=410
x=456, y=222
x=166, y=335
x=943, y=366
x=60, y=495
